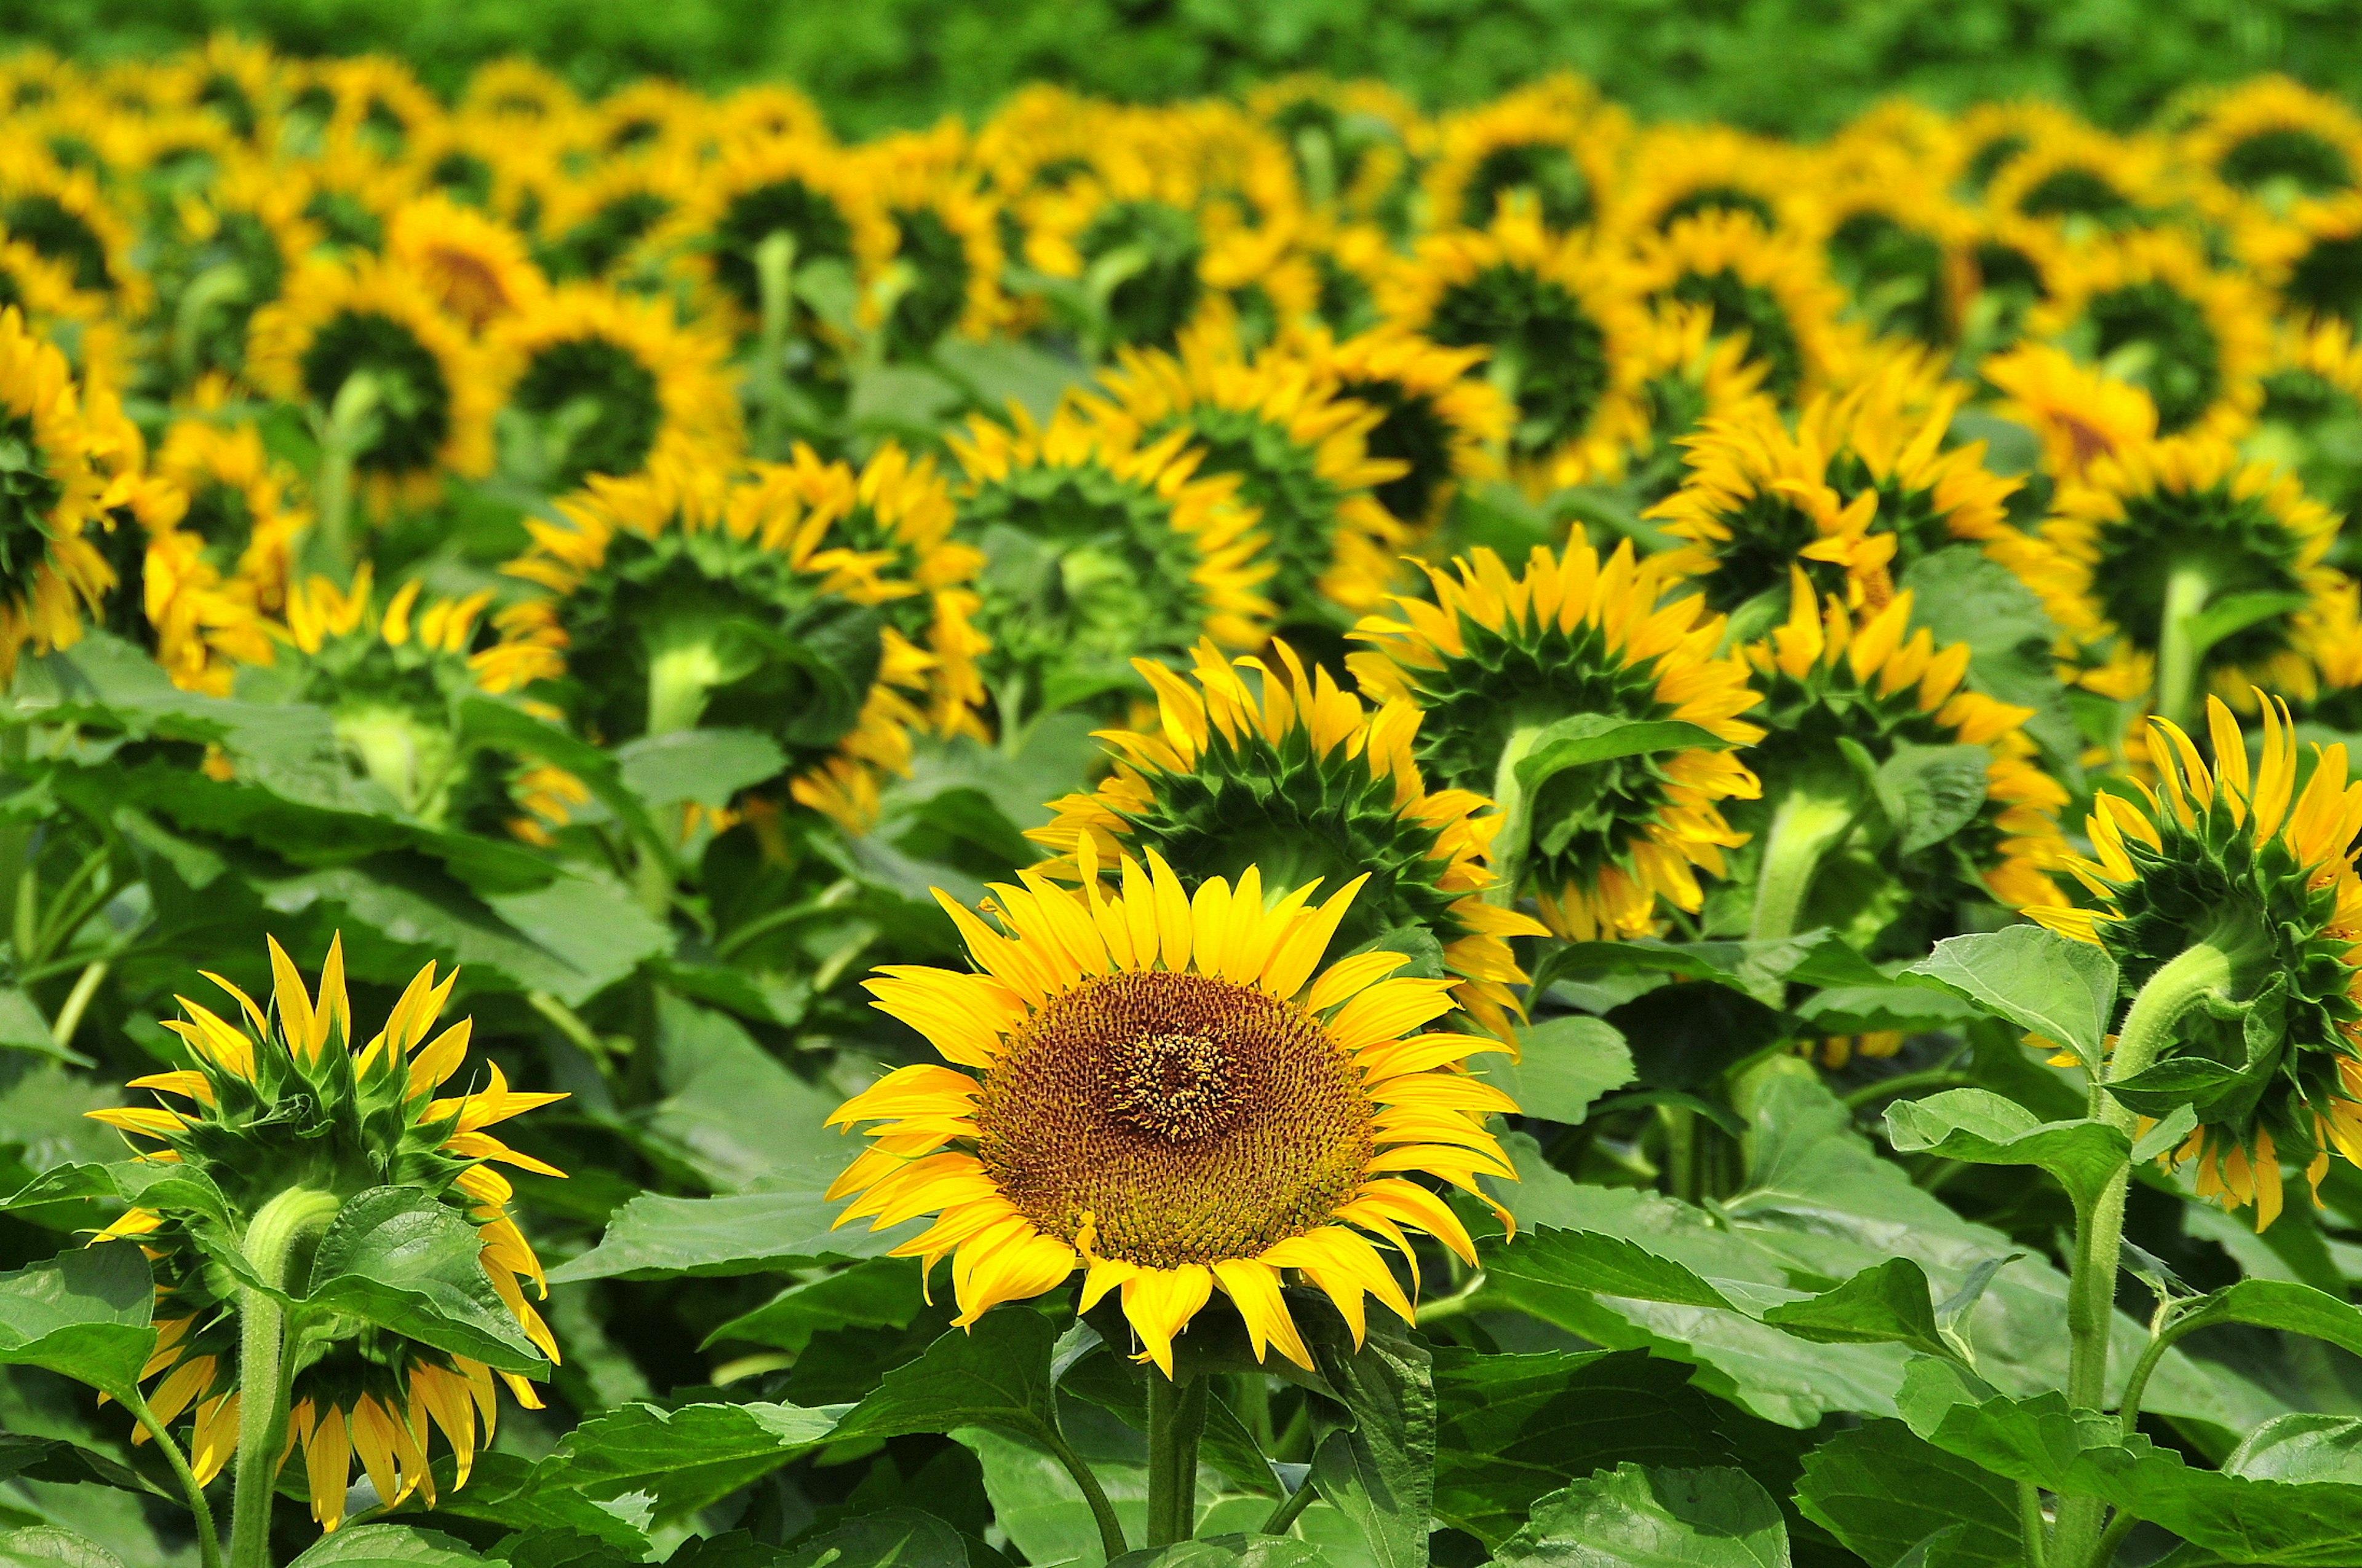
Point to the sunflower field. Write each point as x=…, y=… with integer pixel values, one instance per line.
x=1271, y=833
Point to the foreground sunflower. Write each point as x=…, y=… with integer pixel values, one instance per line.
x=2218, y=894
x=285, y=1102
x=1156, y=1088
x=1498, y=661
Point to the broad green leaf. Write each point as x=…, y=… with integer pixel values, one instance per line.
x=2300, y=1447
x=54, y=1459
x=780, y=1223
x=1549, y=1260
x=1007, y=370
x=1930, y=792
x=995, y=1374
x=1564, y=1063
x=882, y=1293
x=388, y=1546
x=1887, y=1304
x=1869, y=1010
x=681, y=1459
x=1981, y=1128
x=1634, y=1517
x=1037, y=1503
x=47, y=1546
x=2165, y=1136
x=732, y=1114
x=1812, y=959
x=494, y=722
x=1686, y=1036
x=1881, y=1490
x=397, y=1257
x=2278, y=1304
x=890, y=1538
x=1583, y=739
x=2235, y=613
x=502, y=1490
x=2047, y=983
x=22, y=1028
x=85, y=1313
x=1231, y=1551
x=1963, y=595
x=709, y=766
x=1379, y=1472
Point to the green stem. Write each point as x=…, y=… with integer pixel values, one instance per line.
x=1177, y=1420
x=2112, y=1538
x=775, y=276
x=1111, y=1541
x=78, y=1003
x=1515, y=837
x=351, y=425
x=273, y=1239
x=215, y=286
x=681, y=679
x=2030, y=1524
x=2186, y=590
x=2137, y=1384
x=208, y=1543
x=1460, y=1303
x=1805, y=825
x=1283, y=1518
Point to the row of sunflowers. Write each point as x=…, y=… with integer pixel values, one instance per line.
x=1580, y=728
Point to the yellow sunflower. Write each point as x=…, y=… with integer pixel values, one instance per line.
x=1901, y=247
x=2312, y=394
x=2086, y=181
x=64, y=215
x=1991, y=136
x=2277, y=142
x=285, y=1101
x=1687, y=376
x=1444, y=424
x=2211, y=890
x=227, y=249
x=778, y=204
x=1156, y=1088
x=1775, y=289
x=945, y=275
x=1495, y=660
x=54, y=502
x=475, y=267
x=1680, y=173
x=2312, y=262
x=240, y=504
x=1354, y=141
x=2078, y=413
x=1556, y=146
x=608, y=222
x=612, y=384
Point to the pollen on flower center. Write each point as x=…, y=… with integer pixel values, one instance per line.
x=1177, y=1086
x=1191, y=1118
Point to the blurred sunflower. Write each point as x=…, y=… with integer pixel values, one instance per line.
x=947, y=264
x=475, y=267
x=2311, y=422
x=2148, y=308
x=1686, y=376
x=285, y=1107
x=1128, y=233
x=1101, y=550
x=228, y=250
x=2083, y=180
x=1302, y=781
x=2220, y=893
x=65, y=215
x=597, y=227
x=2277, y=142
x=2313, y=261
x=1774, y=290
x=1676, y=172
x=1555, y=147
x=2078, y=413
x=1901, y=248
x=1496, y=661
x=1988, y=138
x=1159, y=1090
x=51, y=506
x=769, y=210
x=241, y=505
x=1443, y=425
x=1353, y=142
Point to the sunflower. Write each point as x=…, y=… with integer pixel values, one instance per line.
x=2078, y=412
x=53, y=503
x=1353, y=142
x=1262, y=282
x=1838, y=681
x=1298, y=449
x=1101, y=549
x=1680, y=173
x=2277, y=142
x=1496, y=661
x=945, y=275
x=370, y=333
x=654, y=118
x=1773, y=288
x=374, y=103
x=1444, y=425
x=350, y=195
x=1559, y=318
x=1134, y=242
x=2259, y=879
x=600, y=225
x=475, y=267
x=1991, y=136
x=1153, y=1086
x=1555, y=147
x=2085, y=181
x=2016, y=265
x=2311, y=419
x=1900, y=247
x=520, y=92
x=228, y=250
x=1686, y=376
x=2313, y=261
x=604, y=383
x=43, y=289
x=778, y=206
x=2148, y=539
x=284, y=1102
x=240, y=507
x=2147, y=308
x=64, y=215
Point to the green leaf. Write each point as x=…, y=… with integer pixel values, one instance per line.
x=22, y=1028
x=387, y=1546
x=1930, y=792
x=1812, y=959
x=994, y=1374
x=1005, y=371
x=493, y=722
x=1687, y=1035
x=1869, y=1010
x=1584, y=738
x=1565, y=1063
x=733, y=1114
x=780, y=1223
x=500, y=1490
x=1963, y=595
x=85, y=1313
x=1379, y=1472
x=1887, y=1304
x=709, y=766
x=2234, y=612
x=1881, y=1490
x=47, y=1546
x=1547, y=1260
x=1981, y=1128
x=399, y=1258
x=882, y=1294
x=1229, y=1551
x=890, y=1538
x=2277, y=1304
x=54, y=1459
x=681, y=1459
x=1637, y=1517
x=2047, y=983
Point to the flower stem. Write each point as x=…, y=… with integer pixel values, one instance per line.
x=1111, y=1541
x=681, y=678
x=1283, y=1518
x=2030, y=1525
x=69, y=1018
x=350, y=427
x=208, y=1543
x=1515, y=834
x=1805, y=825
x=1177, y=1420
x=273, y=1239
x=2186, y=589
x=775, y=276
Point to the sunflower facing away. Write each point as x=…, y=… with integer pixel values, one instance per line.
x=1498, y=659
x=1156, y=1088
x=284, y=1097
x=2264, y=874
x=50, y=574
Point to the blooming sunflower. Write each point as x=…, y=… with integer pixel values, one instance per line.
x=476, y=267
x=1307, y=784
x=2078, y=413
x=1555, y=147
x=1991, y=136
x=1101, y=550
x=2313, y=261
x=603, y=384
x=947, y=264
x=1688, y=172
x=1496, y=661
x=241, y=505
x=2312, y=407
x=370, y=333
x=1686, y=376
x=1155, y=1087
x=1353, y=142
x=1898, y=245
x=1129, y=231
x=1299, y=448
x=51, y=575
x=595, y=228
x=2085, y=181
x=2246, y=891
x=1834, y=679
x=1445, y=426
x=2151, y=539
x=1773, y=288
x=1559, y=318
x=2277, y=142
x=63, y=214
x=2148, y=307
x=228, y=250
x=779, y=205
x=284, y=1101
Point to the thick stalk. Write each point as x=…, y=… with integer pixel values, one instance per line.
x=2186, y=587
x=775, y=276
x=2030, y=1525
x=272, y=1238
x=1516, y=834
x=1805, y=825
x=1283, y=1518
x=69, y=1018
x=1177, y=1420
x=681, y=679
x=351, y=426
x=208, y=1543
